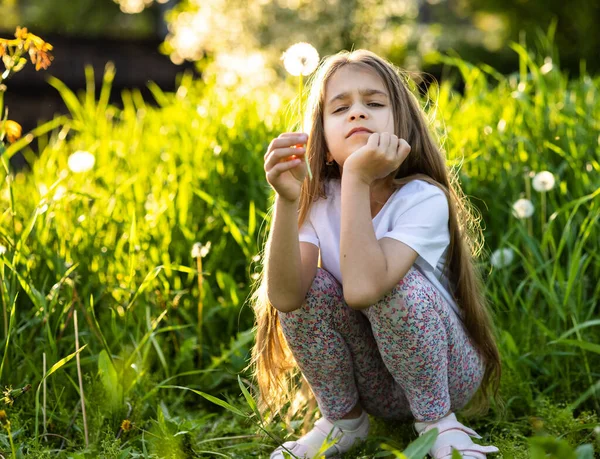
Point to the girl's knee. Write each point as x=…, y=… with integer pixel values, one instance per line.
x=324, y=284
x=324, y=292
x=411, y=294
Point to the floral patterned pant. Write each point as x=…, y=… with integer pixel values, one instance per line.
x=407, y=356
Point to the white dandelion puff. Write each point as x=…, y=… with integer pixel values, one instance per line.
x=543, y=181
x=81, y=161
x=501, y=125
x=502, y=258
x=199, y=250
x=523, y=208
x=547, y=67
x=300, y=59
x=2, y=250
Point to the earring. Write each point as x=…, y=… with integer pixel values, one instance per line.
x=329, y=163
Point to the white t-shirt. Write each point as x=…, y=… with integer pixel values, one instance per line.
x=416, y=214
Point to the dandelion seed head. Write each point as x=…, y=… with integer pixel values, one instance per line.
x=547, y=67
x=523, y=208
x=199, y=250
x=543, y=181
x=502, y=125
x=502, y=258
x=2, y=250
x=300, y=59
x=196, y=249
x=81, y=161
x=133, y=6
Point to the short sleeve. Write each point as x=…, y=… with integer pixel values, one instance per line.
x=307, y=232
x=423, y=225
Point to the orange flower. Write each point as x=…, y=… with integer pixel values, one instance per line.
x=39, y=52
x=38, y=49
x=21, y=33
x=13, y=130
x=126, y=425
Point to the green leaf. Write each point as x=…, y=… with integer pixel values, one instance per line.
x=210, y=398
x=585, y=451
x=581, y=344
x=249, y=399
x=556, y=448
x=110, y=380
x=421, y=446
x=54, y=367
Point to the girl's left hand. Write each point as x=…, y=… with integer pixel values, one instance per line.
x=383, y=154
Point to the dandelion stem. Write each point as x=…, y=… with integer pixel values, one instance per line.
x=12, y=444
x=528, y=194
x=543, y=212
x=85, y=429
x=200, y=307
x=300, y=105
x=44, y=394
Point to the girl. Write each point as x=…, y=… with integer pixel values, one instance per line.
x=369, y=280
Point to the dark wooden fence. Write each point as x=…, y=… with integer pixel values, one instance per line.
x=31, y=100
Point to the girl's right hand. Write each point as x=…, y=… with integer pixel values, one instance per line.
x=285, y=166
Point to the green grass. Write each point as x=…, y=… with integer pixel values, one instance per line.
x=114, y=243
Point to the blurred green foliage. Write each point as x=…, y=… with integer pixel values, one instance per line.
x=409, y=32
x=114, y=242
x=83, y=18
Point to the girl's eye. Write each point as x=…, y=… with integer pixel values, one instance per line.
x=374, y=104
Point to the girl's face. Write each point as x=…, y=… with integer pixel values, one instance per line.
x=354, y=97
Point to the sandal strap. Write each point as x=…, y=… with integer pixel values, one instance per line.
x=296, y=448
x=443, y=446
x=326, y=426
x=475, y=450
x=447, y=424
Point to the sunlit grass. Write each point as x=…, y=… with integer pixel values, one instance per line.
x=114, y=240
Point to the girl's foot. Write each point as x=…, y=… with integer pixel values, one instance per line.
x=307, y=446
x=453, y=435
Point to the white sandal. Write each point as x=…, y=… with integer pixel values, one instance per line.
x=444, y=444
x=323, y=427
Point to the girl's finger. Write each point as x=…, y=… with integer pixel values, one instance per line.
x=384, y=142
x=278, y=169
x=281, y=153
x=373, y=141
x=286, y=140
x=403, y=147
x=288, y=134
x=394, y=142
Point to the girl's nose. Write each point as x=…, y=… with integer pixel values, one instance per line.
x=357, y=113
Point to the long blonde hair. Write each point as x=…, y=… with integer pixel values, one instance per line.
x=274, y=367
